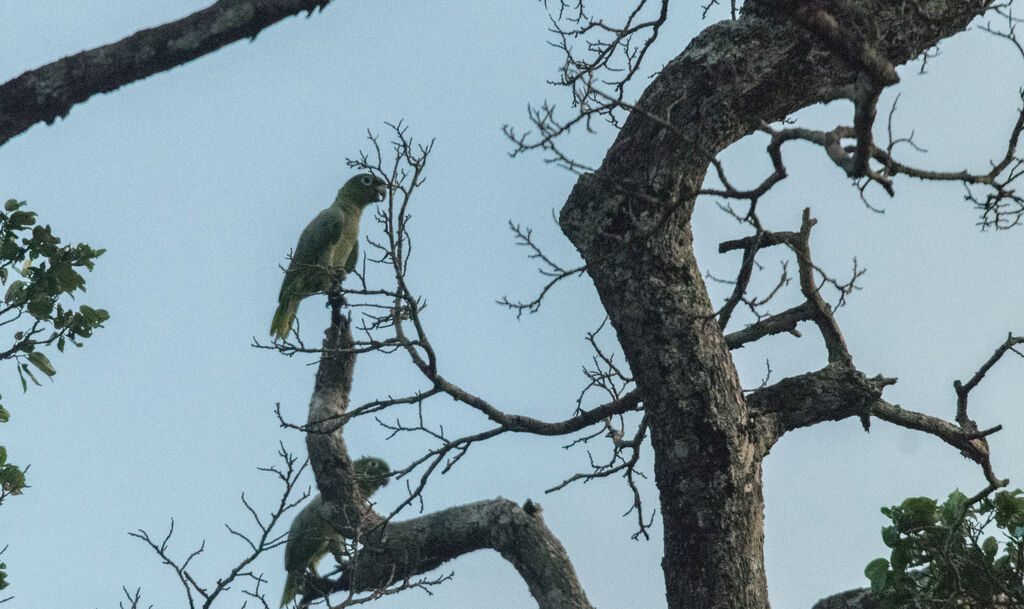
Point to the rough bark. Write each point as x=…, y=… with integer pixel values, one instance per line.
x=518, y=533
x=630, y=220
x=49, y=92
x=833, y=393
x=860, y=598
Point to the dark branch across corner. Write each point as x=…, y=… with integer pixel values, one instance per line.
x=49, y=92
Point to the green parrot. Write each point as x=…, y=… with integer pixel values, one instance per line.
x=311, y=536
x=330, y=240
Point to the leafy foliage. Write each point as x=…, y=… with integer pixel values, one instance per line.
x=942, y=558
x=39, y=274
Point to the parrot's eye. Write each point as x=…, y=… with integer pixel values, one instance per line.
x=367, y=180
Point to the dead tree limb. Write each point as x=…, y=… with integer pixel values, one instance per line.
x=49, y=92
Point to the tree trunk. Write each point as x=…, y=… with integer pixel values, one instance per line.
x=630, y=220
x=707, y=471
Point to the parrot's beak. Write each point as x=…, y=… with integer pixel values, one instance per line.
x=382, y=191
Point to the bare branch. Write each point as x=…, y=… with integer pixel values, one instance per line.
x=839, y=391
x=49, y=92
x=837, y=351
x=971, y=446
x=548, y=268
x=962, y=390
x=266, y=539
x=612, y=59
x=1002, y=207
x=774, y=324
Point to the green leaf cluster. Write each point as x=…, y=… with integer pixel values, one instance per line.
x=12, y=479
x=38, y=275
x=952, y=554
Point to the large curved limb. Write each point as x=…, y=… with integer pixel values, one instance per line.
x=393, y=552
x=417, y=546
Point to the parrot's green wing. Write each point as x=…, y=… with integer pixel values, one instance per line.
x=353, y=258
x=308, y=540
x=314, y=248
x=305, y=275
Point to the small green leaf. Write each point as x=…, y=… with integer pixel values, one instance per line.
x=890, y=536
x=12, y=205
x=954, y=508
x=94, y=316
x=12, y=479
x=41, y=308
x=3, y=455
x=877, y=573
x=917, y=512
x=40, y=361
x=4, y=415
x=22, y=219
x=27, y=371
x=1009, y=507
x=16, y=293
x=899, y=559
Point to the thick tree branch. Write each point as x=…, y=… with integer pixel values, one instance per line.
x=833, y=393
x=838, y=391
x=328, y=455
x=422, y=544
x=858, y=598
x=394, y=552
x=972, y=444
x=49, y=92
x=774, y=324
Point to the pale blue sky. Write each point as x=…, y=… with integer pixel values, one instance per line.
x=199, y=180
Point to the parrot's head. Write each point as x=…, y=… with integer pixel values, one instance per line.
x=364, y=188
x=370, y=473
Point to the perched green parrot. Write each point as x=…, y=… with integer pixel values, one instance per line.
x=311, y=536
x=330, y=240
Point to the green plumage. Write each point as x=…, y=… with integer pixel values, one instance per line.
x=311, y=536
x=331, y=240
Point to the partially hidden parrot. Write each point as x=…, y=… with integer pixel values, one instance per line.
x=330, y=240
x=311, y=537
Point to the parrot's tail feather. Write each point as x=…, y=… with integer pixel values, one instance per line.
x=283, y=318
x=290, y=589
